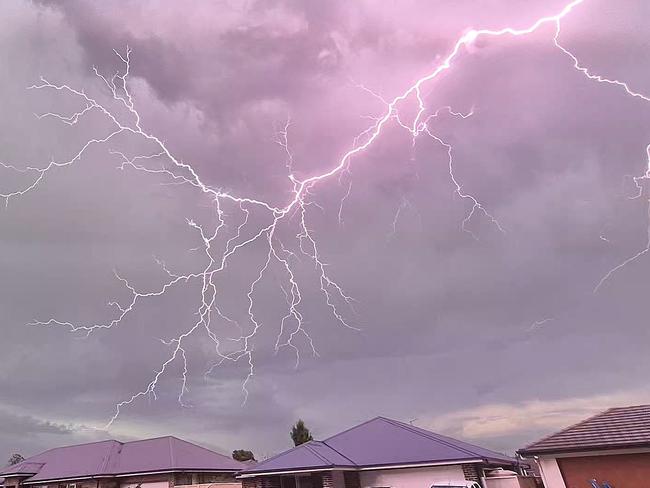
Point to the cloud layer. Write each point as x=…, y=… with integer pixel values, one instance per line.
x=496, y=340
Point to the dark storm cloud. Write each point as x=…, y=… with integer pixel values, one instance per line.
x=447, y=321
x=229, y=63
x=26, y=434
x=17, y=425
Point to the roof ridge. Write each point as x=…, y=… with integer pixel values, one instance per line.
x=562, y=431
x=8, y=469
x=65, y=447
x=178, y=439
x=78, y=445
x=152, y=439
x=104, y=466
x=313, y=451
x=430, y=435
x=285, y=452
x=645, y=405
x=30, y=460
x=339, y=453
x=352, y=428
x=171, y=451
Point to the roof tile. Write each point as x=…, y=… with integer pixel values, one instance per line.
x=616, y=427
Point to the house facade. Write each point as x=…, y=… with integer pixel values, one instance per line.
x=164, y=462
x=611, y=448
x=380, y=453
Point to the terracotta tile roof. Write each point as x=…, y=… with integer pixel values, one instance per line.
x=622, y=427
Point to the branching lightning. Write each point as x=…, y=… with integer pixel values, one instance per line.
x=286, y=254
x=638, y=180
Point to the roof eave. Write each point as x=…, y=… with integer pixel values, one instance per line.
x=444, y=462
x=530, y=452
x=313, y=469
x=131, y=473
x=371, y=467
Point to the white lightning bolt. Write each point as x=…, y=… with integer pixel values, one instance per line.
x=637, y=179
x=539, y=323
x=285, y=254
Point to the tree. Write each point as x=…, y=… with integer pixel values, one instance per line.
x=15, y=459
x=300, y=434
x=243, y=455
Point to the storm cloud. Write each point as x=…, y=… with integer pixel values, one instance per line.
x=497, y=339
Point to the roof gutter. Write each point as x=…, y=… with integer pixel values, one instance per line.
x=567, y=450
x=295, y=471
x=125, y=475
x=362, y=468
x=421, y=465
x=62, y=479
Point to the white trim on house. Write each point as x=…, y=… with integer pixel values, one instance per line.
x=551, y=474
x=45, y=482
x=602, y=452
x=422, y=465
x=189, y=470
x=296, y=471
x=126, y=475
x=363, y=468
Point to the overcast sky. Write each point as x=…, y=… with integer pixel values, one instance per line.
x=494, y=337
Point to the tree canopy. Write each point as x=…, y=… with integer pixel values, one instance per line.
x=15, y=459
x=300, y=433
x=243, y=455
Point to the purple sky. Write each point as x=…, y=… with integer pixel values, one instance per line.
x=448, y=334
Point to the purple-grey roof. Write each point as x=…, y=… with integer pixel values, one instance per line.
x=313, y=454
x=110, y=458
x=378, y=442
x=27, y=467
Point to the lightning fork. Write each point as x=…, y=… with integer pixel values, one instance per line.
x=278, y=252
x=636, y=179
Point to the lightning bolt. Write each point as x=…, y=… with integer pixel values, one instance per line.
x=638, y=180
x=286, y=254
x=539, y=323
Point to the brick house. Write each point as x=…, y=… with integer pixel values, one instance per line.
x=612, y=447
x=378, y=453
x=164, y=462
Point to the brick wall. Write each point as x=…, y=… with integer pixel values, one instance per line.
x=351, y=479
x=11, y=482
x=249, y=483
x=270, y=482
x=620, y=470
x=137, y=479
x=108, y=484
x=469, y=470
x=327, y=480
x=64, y=484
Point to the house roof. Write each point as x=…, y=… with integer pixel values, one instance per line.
x=623, y=427
x=111, y=458
x=377, y=442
